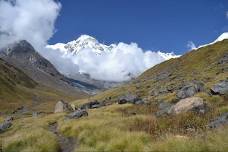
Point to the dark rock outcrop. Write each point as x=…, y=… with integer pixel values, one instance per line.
x=220, y=88
x=190, y=90
x=130, y=98
x=219, y=121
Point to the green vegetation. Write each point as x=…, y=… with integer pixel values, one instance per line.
x=17, y=89
x=131, y=127
x=201, y=65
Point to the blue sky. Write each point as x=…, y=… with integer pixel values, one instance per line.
x=165, y=25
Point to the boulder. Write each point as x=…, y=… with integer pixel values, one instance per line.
x=77, y=114
x=221, y=88
x=190, y=90
x=130, y=98
x=164, y=108
x=5, y=125
x=219, y=121
x=62, y=106
x=195, y=104
x=92, y=105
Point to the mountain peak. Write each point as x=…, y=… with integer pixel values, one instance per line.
x=85, y=42
x=86, y=38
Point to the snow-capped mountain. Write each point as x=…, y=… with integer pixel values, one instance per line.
x=116, y=62
x=83, y=42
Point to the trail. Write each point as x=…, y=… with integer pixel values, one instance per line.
x=66, y=144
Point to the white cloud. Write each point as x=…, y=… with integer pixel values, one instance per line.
x=191, y=45
x=113, y=65
x=31, y=20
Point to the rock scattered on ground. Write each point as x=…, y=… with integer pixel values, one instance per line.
x=6, y=124
x=219, y=121
x=190, y=90
x=220, y=88
x=92, y=105
x=164, y=109
x=130, y=98
x=62, y=106
x=77, y=114
x=195, y=104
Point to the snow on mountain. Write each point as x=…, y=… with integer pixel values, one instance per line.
x=222, y=37
x=115, y=62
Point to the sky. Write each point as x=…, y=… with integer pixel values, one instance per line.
x=155, y=28
x=166, y=25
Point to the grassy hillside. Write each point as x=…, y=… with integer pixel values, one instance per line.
x=201, y=65
x=130, y=127
x=17, y=89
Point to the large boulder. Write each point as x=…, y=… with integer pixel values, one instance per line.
x=190, y=90
x=221, y=88
x=62, y=106
x=195, y=104
x=219, y=121
x=77, y=114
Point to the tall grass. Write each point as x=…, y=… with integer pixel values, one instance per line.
x=33, y=140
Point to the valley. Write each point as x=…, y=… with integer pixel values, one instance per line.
x=177, y=105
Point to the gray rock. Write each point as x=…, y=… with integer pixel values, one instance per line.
x=130, y=98
x=5, y=125
x=62, y=106
x=219, y=121
x=9, y=119
x=195, y=104
x=92, y=105
x=190, y=90
x=77, y=114
x=220, y=88
x=164, y=109
x=20, y=110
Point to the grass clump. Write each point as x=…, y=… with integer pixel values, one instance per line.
x=210, y=142
x=34, y=140
x=106, y=129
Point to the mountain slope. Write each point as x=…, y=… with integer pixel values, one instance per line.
x=18, y=89
x=207, y=64
x=22, y=55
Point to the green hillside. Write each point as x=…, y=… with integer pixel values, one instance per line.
x=17, y=89
x=201, y=65
x=131, y=127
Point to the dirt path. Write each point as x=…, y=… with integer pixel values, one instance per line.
x=66, y=144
